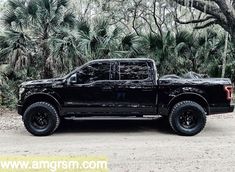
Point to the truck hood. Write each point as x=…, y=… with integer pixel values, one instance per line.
x=202, y=81
x=42, y=82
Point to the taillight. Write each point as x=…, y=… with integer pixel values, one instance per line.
x=229, y=92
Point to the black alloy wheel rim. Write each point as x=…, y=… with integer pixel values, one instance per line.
x=40, y=120
x=188, y=119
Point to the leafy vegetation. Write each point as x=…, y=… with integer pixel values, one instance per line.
x=49, y=38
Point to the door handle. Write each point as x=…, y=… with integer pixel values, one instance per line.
x=147, y=89
x=106, y=88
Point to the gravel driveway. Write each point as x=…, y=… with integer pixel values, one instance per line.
x=129, y=145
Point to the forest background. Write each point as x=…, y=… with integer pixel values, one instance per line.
x=48, y=38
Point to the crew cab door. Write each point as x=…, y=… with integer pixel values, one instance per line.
x=93, y=91
x=135, y=88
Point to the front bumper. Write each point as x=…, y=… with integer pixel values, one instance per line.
x=219, y=110
x=20, y=109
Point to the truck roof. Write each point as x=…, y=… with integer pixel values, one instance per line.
x=124, y=59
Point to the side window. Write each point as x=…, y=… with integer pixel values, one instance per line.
x=94, y=72
x=133, y=71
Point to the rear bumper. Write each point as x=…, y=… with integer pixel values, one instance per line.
x=20, y=109
x=218, y=110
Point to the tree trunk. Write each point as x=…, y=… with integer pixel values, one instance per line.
x=194, y=63
x=225, y=55
x=232, y=33
x=47, y=70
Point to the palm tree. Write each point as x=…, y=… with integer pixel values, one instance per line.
x=161, y=49
x=64, y=46
x=195, y=49
x=15, y=49
x=40, y=18
x=131, y=46
x=98, y=40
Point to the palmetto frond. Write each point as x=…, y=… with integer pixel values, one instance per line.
x=14, y=48
x=45, y=4
x=64, y=48
x=101, y=27
x=129, y=41
x=14, y=4
x=32, y=8
x=183, y=36
x=69, y=20
x=131, y=44
x=9, y=17
x=16, y=17
x=62, y=3
x=152, y=42
x=83, y=26
x=98, y=40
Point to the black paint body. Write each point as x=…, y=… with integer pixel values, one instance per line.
x=123, y=87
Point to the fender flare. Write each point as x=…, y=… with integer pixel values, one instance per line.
x=191, y=97
x=41, y=97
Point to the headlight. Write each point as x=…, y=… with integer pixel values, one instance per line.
x=21, y=90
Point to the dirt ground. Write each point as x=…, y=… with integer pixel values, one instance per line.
x=129, y=145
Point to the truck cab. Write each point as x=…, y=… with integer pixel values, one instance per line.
x=111, y=87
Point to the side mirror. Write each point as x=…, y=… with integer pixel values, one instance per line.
x=73, y=79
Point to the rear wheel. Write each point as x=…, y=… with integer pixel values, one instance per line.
x=187, y=118
x=41, y=119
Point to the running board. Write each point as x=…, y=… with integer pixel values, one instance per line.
x=94, y=118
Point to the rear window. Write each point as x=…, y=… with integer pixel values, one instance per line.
x=133, y=71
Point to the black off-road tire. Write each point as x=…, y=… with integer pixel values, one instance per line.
x=51, y=119
x=183, y=111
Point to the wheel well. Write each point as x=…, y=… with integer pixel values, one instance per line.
x=190, y=97
x=41, y=98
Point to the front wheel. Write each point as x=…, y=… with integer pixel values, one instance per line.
x=187, y=118
x=41, y=119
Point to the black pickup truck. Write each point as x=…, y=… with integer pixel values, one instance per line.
x=122, y=89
